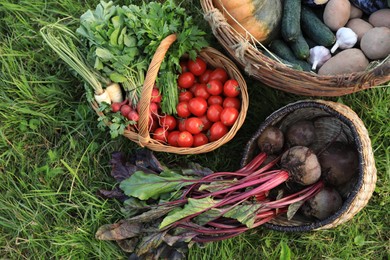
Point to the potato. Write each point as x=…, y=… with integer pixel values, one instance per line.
x=380, y=18
x=359, y=26
x=375, y=43
x=336, y=13
x=346, y=61
x=355, y=12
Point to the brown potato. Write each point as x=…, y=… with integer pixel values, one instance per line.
x=336, y=13
x=359, y=26
x=380, y=18
x=355, y=12
x=346, y=61
x=375, y=43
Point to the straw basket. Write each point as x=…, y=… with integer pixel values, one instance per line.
x=213, y=58
x=348, y=127
x=279, y=76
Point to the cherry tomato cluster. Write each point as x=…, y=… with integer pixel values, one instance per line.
x=209, y=104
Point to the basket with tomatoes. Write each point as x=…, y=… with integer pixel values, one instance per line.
x=212, y=103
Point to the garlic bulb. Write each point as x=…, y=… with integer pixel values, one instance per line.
x=345, y=39
x=318, y=56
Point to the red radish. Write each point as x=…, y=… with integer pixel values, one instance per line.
x=125, y=110
x=116, y=106
x=156, y=96
x=133, y=116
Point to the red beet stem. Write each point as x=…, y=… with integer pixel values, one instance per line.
x=254, y=163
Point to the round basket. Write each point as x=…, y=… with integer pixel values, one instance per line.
x=344, y=121
x=213, y=58
x=279, y=76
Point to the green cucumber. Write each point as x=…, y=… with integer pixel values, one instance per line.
x=281, y=49
x=277, y=58
x=315, y=29
x=300, y=48
x=291, y=20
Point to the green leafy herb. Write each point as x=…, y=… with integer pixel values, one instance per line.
x=123, y=39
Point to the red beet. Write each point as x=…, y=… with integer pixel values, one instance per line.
x=323, y=205
x=301, y=133
x=271, y=140
x=339, y=162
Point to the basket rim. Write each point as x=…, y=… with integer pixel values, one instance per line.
x=347, y=208
x=280, y=76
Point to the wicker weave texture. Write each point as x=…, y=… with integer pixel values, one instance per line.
x=215, y=59
x=246, y=52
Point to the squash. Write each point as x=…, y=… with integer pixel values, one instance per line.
x=259, y=19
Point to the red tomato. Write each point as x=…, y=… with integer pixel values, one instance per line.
x=183, y=109
x=215, y=87
x=229, y=116
x=232, y=102
x=197, y=66
x=172, y=138
x=194, y=125
x=181, y=124
x=220, y=74
x=217, y=130
x=185, y=139
x=185, y=95
x=156, y=96
x=204, y=78
x=214, y=113
x=200, y=90
x=212, y=100
x=168, y=122
x=200, y=139
x=160, y=134
x=206, y=122
x=197, y=106
x=186, y=80
x=184, y=66
x=231, y=88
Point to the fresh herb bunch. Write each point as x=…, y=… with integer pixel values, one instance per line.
x=123, y=39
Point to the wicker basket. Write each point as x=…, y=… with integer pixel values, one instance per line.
x=282, y=77
x=353, y=131
x=215, y=59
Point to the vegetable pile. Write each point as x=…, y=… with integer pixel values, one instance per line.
x=324, y=36
x=208, y=105
x=112, y=49
x=169, y=209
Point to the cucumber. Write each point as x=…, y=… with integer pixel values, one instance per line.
x=291, y=20
x=315, y=29
x=277, y=58
x=300, y=48
x=281, y=49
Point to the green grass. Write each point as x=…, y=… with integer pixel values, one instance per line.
x=53, y=158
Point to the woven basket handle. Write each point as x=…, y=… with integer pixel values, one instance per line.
x=146, y=94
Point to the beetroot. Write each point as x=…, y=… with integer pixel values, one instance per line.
x=301, y=133
x=339, y=162
x=302, y=164
x=323, y=205
x=271, y=140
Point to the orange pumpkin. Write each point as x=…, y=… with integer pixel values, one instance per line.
x=259, y=19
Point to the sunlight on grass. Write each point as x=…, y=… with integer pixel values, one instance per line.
x=54, y=158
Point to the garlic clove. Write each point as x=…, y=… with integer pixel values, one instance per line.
x=345, y=39
x=318, y=56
